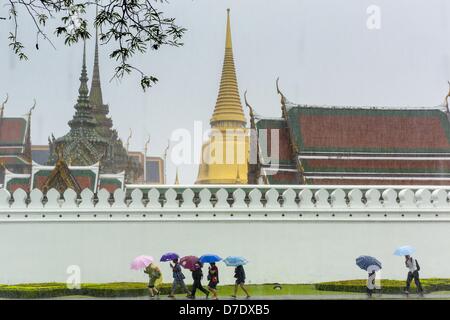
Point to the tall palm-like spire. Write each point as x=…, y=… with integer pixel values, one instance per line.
x=83, y=91
x=82, y=145
x=96, y=97
x=83, y=114
x=228, y=111
x=100, y=111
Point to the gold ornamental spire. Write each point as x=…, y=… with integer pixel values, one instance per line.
x=177, y=180
x=228, y=111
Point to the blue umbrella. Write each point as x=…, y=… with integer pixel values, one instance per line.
x=234, y=261
x=404, y=251
x=209, y=258
x=169, y=257
x=364, y=262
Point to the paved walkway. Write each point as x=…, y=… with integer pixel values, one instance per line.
x=431, y=296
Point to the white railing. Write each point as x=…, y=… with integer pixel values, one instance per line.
x=231, y=202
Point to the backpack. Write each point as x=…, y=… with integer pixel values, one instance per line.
x=417, y=265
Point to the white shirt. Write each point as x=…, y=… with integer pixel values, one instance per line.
x=411, y=264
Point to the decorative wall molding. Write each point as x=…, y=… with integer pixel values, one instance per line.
x=230, y=203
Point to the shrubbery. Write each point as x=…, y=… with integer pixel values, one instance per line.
x=136, y=289
x=387, y=286
x=50, y=290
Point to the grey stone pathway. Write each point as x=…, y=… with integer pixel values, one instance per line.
x=431, y=296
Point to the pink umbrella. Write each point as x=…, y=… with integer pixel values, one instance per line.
x=189, y=262
x=141, y=262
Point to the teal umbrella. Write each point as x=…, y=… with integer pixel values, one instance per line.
x=234, y=261
x=404, y=251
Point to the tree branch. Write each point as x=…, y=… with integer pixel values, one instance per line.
x=133, y=26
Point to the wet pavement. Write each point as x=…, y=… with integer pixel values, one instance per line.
x=430, y=296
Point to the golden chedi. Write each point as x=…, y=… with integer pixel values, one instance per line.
x=225, y=154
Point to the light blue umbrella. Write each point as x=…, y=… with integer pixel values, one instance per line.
x=404, y=251
x=234, y=261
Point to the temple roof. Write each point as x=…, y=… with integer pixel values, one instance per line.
x=381, y=130
x=356, y=145
x=13, y=132
x=14, y=143
x=275, y=153
x=275, y=131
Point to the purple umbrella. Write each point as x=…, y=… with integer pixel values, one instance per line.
x=169, y=257
x=189, y=262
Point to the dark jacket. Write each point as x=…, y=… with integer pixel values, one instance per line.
x=197, y=274
x=239, y=273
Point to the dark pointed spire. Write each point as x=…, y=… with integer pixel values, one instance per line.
x=83, y=91
x=82, y=145
x=100, y=111
x=83, y=114
x=96, y=96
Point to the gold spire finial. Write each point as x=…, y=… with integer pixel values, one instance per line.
x=252, y=114
x=177, y=180
x=146, y=146
x=166, y=150
x=446, y=97
x=283, y=98
x=128, y=140
x=228, y=110
x=31, y=109
x=228, y=43
x=3, y=106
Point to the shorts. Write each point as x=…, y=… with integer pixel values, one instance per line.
x=151, y=283
x=212, y=285
x=240, y=281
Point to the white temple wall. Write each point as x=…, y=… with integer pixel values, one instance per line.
x=278, y=251
x=311, y=240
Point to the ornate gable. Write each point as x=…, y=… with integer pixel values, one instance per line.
x=61, y=179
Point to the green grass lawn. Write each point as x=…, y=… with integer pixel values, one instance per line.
x=135, y=289
x=286, y=289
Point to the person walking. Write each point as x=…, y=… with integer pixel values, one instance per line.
x=178, y=279
x=371, y=283
x=213, y=277
x=154, y=274
x=239, y=274
x=197, y=275
x=413, y=273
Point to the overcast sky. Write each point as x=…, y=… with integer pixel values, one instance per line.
x=322, y=51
